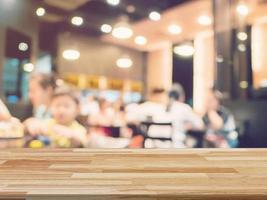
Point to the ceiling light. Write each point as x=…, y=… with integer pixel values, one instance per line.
x=140, y=40
x=77, y=21
x=242, y=47
x=124, y=62
x=130, y=8
x=219, y=59
x=184, y=50
x=204, y=20
x=40, y=12
x=28, y=67
x=174, y=29
x=106, y=28
x=71, y=54
x=243, y=84
x=23, y=46
x=242, y=36
x=113, y=2
x=155, y=16
x=122, y=31
x=242, y=9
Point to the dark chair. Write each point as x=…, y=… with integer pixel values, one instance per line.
x=198, y=136
x=151, y=136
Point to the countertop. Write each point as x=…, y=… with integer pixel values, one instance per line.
x=133, y=174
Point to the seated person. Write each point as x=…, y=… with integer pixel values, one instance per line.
x=62, y=129
x=103, y=119
x=101, y=132
x=151, y=120
x=154, y=109
x=220, y=123
x=184, y=119
x=41, y=88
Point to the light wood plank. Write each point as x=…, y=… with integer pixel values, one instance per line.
x=133, y=174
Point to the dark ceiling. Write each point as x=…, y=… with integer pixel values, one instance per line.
x=97, y=12
x=102, y=11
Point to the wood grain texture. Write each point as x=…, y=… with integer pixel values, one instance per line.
x=133, y=174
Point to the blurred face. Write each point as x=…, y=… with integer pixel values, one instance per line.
x=38, y=95
x=64, y=109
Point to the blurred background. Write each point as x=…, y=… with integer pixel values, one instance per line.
x=123, y=52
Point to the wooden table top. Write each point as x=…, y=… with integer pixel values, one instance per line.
x=139, y=174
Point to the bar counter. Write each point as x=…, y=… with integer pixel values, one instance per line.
x=133, y=174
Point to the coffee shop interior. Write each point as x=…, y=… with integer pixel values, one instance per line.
x=133, y=73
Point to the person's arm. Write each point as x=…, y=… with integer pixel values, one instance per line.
x=216, y=121
x=195, y=121
x=4, y=113
x=34, y=127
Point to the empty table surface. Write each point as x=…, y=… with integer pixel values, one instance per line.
x=133, y=174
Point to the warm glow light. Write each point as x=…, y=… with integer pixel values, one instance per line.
x=124, y=62
x=242, y=9
x=130, y=8
x=140, y=40
x=184, y=50
x=77, y=21
x=113, y=2
x=204, y=20
x=71, y=54
x=174, y=29
x=243, y=84
x=28, y=67
x=40, y=12
x=155, y=16
x=219, y=59
x=242, y=47
x=242, y=36
x=106, y=28
x=23, y=46
x=122, y=31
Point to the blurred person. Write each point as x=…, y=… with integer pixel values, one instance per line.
x=109, y=118
x=133, y=125
x=219, y=122
x=127, y=129
x=120, y=113
x=62, y=129
x=41, y=88
x=184, y=119
x=148, y=120
x=154, y=109
x=103, y=119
